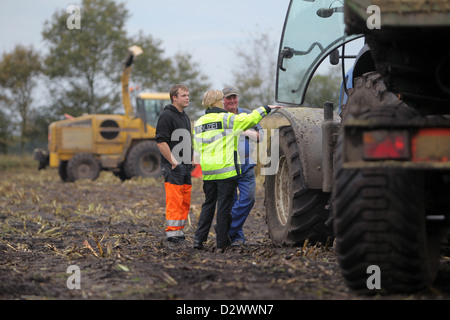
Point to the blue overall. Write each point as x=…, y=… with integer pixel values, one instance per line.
x=244, y=198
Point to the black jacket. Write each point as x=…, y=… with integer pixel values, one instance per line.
x=170, y=120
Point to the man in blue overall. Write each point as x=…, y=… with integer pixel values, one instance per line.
x=244, y=198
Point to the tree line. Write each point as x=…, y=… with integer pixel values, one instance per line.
x=80, y=73
x=81, y=70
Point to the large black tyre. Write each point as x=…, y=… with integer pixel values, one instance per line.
x=294, y=213
x=143, y=160
x=380, y=213
x=83, y=166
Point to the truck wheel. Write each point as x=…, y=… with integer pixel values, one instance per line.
x=143, y=160
x=380, y=212
x=294, y=213
x=83, y=166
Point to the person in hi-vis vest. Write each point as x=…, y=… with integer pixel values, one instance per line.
x=216, y=136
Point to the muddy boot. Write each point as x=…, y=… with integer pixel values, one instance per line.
x=198, y=244
x=176, y=243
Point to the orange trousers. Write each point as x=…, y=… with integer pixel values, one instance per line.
x=178, y=203
x=178, y=187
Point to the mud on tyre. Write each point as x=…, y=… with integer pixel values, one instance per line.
x=379, y=212
x=143, y=160
x=294, y=213
x=82, y=166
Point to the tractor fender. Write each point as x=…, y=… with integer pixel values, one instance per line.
x=307, y=125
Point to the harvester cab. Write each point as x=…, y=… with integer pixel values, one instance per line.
x=149, y=106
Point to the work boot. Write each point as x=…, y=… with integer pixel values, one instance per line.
x=175, y=242
x=237, y=243
x=198, y=244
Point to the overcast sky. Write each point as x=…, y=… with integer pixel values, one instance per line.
x=209, y=30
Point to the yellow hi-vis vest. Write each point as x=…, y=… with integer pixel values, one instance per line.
x=216, y=138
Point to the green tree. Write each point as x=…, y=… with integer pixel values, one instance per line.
x=84, y=64
x=18, y=72
x=5, y=133
x=151, y=71
x=254, y=74
x=324, y=87
x=185, y=71
x=154, y=72
x=41, y=117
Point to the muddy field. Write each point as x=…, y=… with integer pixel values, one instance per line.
x=113, y=233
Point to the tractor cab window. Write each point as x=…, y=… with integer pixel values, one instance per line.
x=150, y=109
x=312, y=30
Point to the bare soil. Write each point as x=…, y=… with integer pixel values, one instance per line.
x=114, y=232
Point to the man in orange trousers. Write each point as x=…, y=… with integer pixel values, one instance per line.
x=173, y=131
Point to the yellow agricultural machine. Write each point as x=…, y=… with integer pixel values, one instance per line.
x=82, y=147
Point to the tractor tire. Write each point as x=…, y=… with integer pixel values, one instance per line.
x=83, y=166
x=143, y=160
x=379, y=213
x=294, y=213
